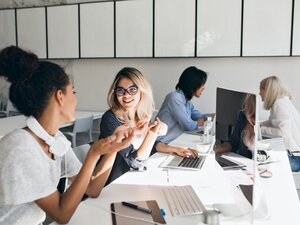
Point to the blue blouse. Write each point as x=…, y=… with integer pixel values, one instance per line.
x=179, y=114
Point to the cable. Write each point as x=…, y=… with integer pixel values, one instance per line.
x=126, y=216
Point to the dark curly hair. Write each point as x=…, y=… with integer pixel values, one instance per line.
x=33, y=82
x=190, y=80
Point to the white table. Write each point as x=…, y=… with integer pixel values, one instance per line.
x=210, y=184
x=8, y=124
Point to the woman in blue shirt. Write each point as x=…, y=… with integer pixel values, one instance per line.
x=179, y=113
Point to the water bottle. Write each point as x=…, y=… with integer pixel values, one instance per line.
x=208, y=126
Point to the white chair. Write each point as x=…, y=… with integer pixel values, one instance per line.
x=82, y=125
x=81, y=151
x=96, y=128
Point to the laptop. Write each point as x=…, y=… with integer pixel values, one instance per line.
x=186, y=163
x=198, y=131
x=227, y=163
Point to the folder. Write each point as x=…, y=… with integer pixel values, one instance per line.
x=119, y=208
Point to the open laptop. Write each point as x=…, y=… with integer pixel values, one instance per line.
x=227, y=163
x=187, y=163
x=198, y=131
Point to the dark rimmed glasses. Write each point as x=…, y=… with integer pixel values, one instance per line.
x=132, y=90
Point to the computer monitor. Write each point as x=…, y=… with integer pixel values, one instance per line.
x=260, y=206
x=228, y=105
x=250, y=199
x=232, y=108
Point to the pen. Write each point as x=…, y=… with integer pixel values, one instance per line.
x=133, y=206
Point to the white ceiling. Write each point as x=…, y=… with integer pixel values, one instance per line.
x=30, y=3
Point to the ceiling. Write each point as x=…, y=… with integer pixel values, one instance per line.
x=31, y=3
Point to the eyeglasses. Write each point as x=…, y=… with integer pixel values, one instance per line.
x=132, y=90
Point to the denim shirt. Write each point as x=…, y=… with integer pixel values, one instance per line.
x=179, y=114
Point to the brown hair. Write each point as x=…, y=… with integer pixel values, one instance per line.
x=249, y=108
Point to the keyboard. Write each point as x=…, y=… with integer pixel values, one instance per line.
x=183, y=201
x=190, y=162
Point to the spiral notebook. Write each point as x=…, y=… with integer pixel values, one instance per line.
x=155, y=216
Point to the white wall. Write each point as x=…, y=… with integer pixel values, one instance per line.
x=92, y=77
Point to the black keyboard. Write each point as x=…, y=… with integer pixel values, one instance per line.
x=190, y=162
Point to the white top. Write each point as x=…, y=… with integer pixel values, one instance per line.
x=284, y=121
x=28, y=174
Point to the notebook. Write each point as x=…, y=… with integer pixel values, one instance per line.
x=188, y=163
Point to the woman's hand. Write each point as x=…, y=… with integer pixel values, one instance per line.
x=158, y=128
x=186, y=152
x=120, y=139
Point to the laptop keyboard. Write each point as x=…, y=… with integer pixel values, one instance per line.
x=190, y=162
x=183, y=200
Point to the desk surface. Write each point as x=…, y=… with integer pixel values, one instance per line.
x=210, y=184
x=8, y=124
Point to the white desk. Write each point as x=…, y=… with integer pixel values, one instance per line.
x=210, y=184
x=8, y=124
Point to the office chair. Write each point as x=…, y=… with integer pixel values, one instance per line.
x=96, y=128
x=81, y=125
x=11, y=110
x=81, y=151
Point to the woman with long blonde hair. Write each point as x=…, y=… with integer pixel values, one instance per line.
x=131, y=103
x=284, y=119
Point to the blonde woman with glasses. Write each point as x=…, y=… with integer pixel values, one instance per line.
x=284, y=119
x=131, y=103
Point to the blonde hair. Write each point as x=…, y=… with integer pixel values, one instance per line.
x=274, y=89
x=249, y=108
x=145, y=106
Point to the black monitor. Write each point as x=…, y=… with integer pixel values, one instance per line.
x=229, y=104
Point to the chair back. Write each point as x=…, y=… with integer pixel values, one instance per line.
x=81, y=151
x=11, y=110
x=80, y=126
x=83, y=124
